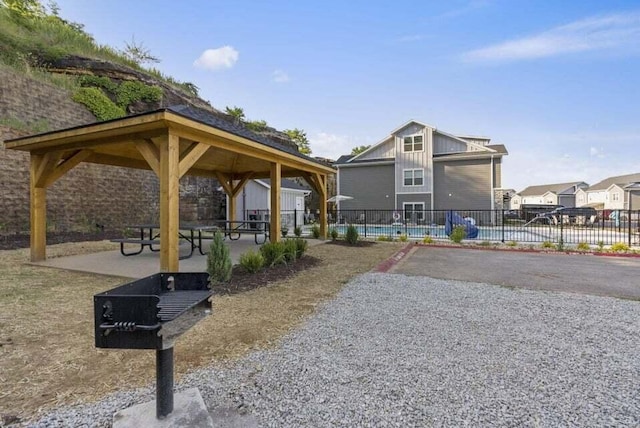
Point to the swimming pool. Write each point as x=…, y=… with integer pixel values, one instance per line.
x=518, y=233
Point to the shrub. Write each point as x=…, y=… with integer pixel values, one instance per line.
x=512, y=244
x=548, y=244
x=131, y=91
x=315, y=231
x=458, y=234
x=403, y=238
x=583, y=246
x=218, y=260
x=290, y=250
x=301, y=246
x=351, y=235
x=600, y=245
x=619, y=247
x=273, y=253
x=98, y=82
x=98, y=104
x=560, y=246
x=334, y=233
x=297, y=231
x=252, y=261
x=485, y=244
x=427, y=240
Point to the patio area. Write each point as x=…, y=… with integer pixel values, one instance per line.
x=146, y=263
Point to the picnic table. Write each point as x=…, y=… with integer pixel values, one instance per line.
x=148, y=235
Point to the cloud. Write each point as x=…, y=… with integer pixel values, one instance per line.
x=617, y=32
x=331, y=146
x=280, y=76
x=217, y=59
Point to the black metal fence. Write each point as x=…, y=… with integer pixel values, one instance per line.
x=602, y=227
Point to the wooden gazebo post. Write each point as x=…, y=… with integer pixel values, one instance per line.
x=169, y=202
x=38, y=217
x=275, y=176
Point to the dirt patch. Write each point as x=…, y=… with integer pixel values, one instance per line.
x=22, y=240
x=48, y=358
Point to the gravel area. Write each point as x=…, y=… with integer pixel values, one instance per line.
x=393, y=350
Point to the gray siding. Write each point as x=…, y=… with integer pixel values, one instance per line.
x=497, y=173
x=567, y=200
x=425, y=198
x=635, y=200
x=384, y=150
x=443, y=144
x=462, y=185
x=371, y=186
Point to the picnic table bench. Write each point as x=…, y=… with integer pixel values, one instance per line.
x=235, y=228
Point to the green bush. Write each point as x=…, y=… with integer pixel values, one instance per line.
x=218, y=260
x=315, y=231
x=334, y=234
x=273, y=253
x=297, y=231
x=427, y=240
x=512, y=244
x=458, y=234
x=351, y=235
x=403, y=238
x=583, y=246
x=251, y=261
x=600, y=245
x=548, y=244
x=131, y=91
x=619, y=247
x=98, y=82
x=301, y=246
x=98, y=104
x=290, y=250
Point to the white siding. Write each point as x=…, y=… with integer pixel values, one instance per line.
x=256, y=196
x=413, y=160
x=616, y=199
x=581, y=198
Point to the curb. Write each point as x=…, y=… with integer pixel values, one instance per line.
x=392, y=261
x=527, y=250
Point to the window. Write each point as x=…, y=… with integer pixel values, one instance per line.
x=413, y=143
x=581, y=198
x=413, y=211
x=615, y=196
x=413, y=177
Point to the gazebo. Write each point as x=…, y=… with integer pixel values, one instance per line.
x=172, y=142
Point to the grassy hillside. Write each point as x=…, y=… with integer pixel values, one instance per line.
x=31, y=37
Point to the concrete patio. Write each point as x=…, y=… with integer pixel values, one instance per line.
x=147, y=263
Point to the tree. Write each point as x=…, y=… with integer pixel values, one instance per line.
x=359, y=149
x=299, y=137
x=138, y=53
x=236, y=112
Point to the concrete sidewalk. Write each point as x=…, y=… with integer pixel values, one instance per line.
x=147, y=263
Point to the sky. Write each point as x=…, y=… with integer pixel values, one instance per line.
x=556, y=82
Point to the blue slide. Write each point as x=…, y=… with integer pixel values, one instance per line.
x=454, y=219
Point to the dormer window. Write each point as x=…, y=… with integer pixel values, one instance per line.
x=413, y=143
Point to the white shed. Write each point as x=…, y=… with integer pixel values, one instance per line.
x=254, y=202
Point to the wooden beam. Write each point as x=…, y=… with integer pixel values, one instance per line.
x=191, y=156
x=322, y=181
x=67, y=165
x=150, y=153
x=275, y=202
x=46, y=164
x=243, y=182
x=38, y=211
x=169, y=203
x=224, y=182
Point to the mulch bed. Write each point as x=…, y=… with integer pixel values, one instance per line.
x=360, y=244
x=241, y=280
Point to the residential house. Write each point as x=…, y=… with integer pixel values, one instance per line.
x=613, y=193
x=549, y=194
x=419, y=167
x=255, y=201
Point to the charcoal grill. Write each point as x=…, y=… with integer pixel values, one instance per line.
x=151, y=313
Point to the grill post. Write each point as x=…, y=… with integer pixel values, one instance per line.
x=164, y=382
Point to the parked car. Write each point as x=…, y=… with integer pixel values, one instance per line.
x=512, y=214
